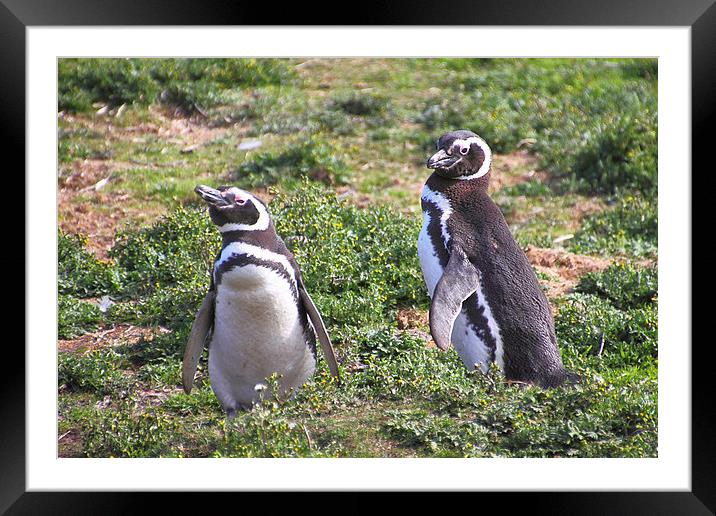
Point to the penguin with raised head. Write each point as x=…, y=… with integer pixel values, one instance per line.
x=485, y=297
x=257, y=317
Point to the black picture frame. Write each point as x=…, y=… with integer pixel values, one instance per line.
x=17, y=15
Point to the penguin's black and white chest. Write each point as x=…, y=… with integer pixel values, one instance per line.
x=476, y=333
x=258, y=326
x=434, y=236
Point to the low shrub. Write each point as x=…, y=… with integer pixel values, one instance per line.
x=625, y=285
x=83, y=82
x=80, y=273
x=312, y=157
x=76, y=317
x=171, y=305
x=358, y=263
x=587, y=323
x=178, y=249
x=97, y=371
x=629, y=228
x=618, y=154
x=594, y=125
x=187, y=83
x=125, y=432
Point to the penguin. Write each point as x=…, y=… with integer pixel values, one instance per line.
x=484, y=295
x=257, y=317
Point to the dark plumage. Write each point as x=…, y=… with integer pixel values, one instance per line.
x=493, y=265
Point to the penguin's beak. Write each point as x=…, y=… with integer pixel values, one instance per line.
x=441, y=160
x=211, y=196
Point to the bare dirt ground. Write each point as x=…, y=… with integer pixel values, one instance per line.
x=563, y=268
x=85, y=207
x=188, y=130
x=120, y=334
x=508, y=170
x=514, y=168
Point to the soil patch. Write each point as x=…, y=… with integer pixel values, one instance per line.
x=409, y=318
x=514, y=168
x=120, y=334
x=85, y=207
x=69, y=444
x=82, y=216
x=415, y=323
x=563, y=268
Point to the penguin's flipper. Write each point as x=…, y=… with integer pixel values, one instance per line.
x=320, y=328
x=197, y=337
x=459, y=280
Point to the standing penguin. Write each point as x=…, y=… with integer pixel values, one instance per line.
x=485, y=297
x=257, y=317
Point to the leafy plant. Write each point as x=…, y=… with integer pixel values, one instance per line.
x=313, y=157
x=358, y=263
x=75, y=317
x=591, y=325
x=188, y=83
x=98, y=371
x=83, y=82
x=177, y=249
x=122, y=432
x=630, y=227
x=80, y=273
x=624, y=284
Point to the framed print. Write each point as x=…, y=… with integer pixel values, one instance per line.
x=141, y=115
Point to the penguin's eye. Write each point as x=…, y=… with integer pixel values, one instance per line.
x=240, y=201
x=464, y=150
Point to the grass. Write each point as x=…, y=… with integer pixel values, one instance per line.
x=313, y=157
x=341, y=153
x=187, y=84
x=628, y=228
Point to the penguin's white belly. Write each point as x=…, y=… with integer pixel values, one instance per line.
x=257, y=332
x=472, y=349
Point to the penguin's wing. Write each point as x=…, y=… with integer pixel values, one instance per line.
x=320, y=328
x=197, y=337
x=459, y=280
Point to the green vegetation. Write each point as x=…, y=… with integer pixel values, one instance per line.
x=79, y=272
x=614, y=315
x=311, y=157
x=75, y=317
x=629, y=228
x=176, y=250
x=362, y=263
x=593, y=125
x=184, y=83
x=429, y=404
x=342, y=151
x=623, y=284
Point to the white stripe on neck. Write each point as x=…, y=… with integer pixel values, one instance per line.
x=261, y=224
x=485, y=168
x=445, y=208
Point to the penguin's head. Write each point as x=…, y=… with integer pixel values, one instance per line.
x=233, y=209
x=461, y=155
